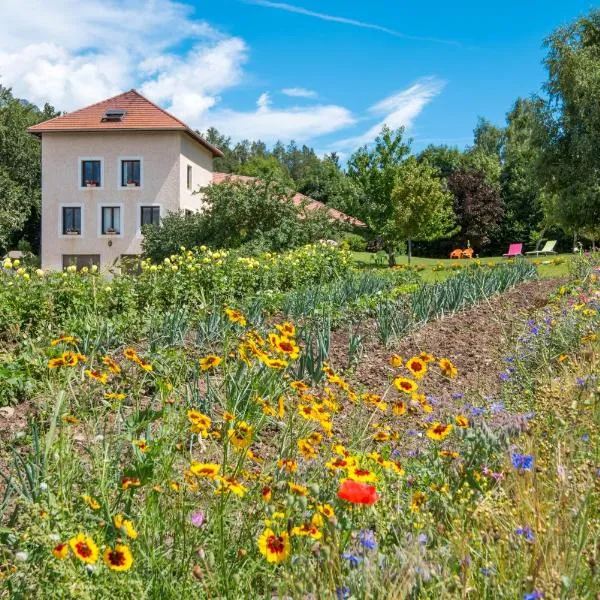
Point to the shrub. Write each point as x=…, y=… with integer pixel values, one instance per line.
x=353, y=241
x=238, y=214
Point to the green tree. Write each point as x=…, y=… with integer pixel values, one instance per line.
x=521, y=188
x=570, y=163
x=446, y=159
x=20, y=167
x=375, y=169
x=421, y=205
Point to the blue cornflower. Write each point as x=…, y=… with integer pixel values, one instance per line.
x=366, y=537
x=525, y=531
x=504, y=376
x=580, y=381
x=477, y=411
x=522, y=461
x=533, y=595
x=585, y=437
x=457, y=395
x=423, y=539
x=342, y=592
x=353, y=559
x=535, y=330
x=497, y=407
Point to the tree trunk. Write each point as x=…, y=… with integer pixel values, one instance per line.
x=409, y=250
x=391, y=256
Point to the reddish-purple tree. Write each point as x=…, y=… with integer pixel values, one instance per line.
x=478, y=207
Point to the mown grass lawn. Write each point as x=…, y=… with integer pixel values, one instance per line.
x=548, y=266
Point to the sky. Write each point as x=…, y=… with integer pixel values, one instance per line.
x=324, y=73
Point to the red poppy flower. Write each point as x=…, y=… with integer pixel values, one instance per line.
x=357, y=492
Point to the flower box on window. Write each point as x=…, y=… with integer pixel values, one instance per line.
x=111, y=231
x=90, y=183
x=72, y=232
x=132, y=184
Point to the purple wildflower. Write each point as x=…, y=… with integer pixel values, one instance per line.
x=522, y=462
x=197, y=518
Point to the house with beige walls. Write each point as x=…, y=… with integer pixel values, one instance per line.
x=110, y=168
x=114, y=166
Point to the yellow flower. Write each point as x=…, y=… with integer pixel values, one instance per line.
x=129, y=482
x=408, y=386
x=361, y=475
x=287, y=464
x=229, y=484
x=426, y=357
x=235, y=316
x=241, y=434
x=439, y=431
x=299, y=386
x=307, y=449
x=326, y=510
x=53, y=363
x=70, y=419
x=61, y=550
x=91, y=502
x=417, y=366
x=119, y=558
x=287, y=346
x=308, y=529
x=447, y=368
x=396, y=361
x=97, y=375
x=399, y=408
x=462, y=421
x=112, y=364
x=210, y=362
x=295, y=488
x=287, y=329
x=84, y=548
x=417, y=501
x=275, y=363
x=207, y=470
x=125, y=525
x=200, y=422
x=275, y=548
x=63, y=339
x=115, y=396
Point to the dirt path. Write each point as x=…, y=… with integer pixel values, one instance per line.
x=477, y=340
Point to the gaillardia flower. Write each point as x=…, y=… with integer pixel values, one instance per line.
x=275, y=548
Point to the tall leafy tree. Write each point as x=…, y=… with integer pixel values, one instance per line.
x=421, y=205
x=375, y=170
x=478, y=207
x=520, y=186
x=571, y=160
x=20, y=168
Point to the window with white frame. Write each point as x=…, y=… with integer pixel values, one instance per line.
x=189, y=177
x=91, y=173
x=131, y=172
x=71, y=220
x=110, y=223
x=149, y=215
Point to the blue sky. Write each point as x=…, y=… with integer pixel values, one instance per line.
x=324, y=73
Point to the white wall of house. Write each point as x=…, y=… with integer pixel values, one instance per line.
x=200, y=160
x=164, y=157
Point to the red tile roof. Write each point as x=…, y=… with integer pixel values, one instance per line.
x=140, y=115
x=298, y=199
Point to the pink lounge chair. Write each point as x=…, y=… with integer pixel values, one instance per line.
x=514, y=250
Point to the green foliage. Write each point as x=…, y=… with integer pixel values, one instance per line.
x=259, y=215
x=570, y=162
x=20, y=169
x=84, y=303
x=353, y=241
x=422, y=208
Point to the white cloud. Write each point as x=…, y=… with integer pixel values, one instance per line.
x=272, y=124
x=398, y=110
x=72, y=53
x=298, y=92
